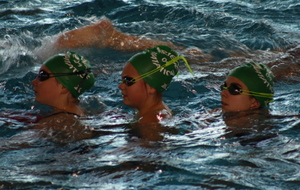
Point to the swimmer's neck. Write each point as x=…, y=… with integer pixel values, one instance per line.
x=76, y=110
x=152, y=109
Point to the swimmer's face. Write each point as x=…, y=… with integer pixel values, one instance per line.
x=240, y=102
x=134, y=95
x=47, y=91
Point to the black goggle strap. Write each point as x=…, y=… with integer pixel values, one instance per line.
x=252, y=93
x=163, y=66
x=86, y=72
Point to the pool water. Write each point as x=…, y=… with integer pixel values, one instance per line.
x=200, y=150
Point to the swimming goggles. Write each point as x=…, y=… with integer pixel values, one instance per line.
x=130, y=81
x=234, y=89
x=43, y=75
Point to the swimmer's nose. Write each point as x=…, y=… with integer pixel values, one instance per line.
x=121, y=86
x=34, y=82
x=224, y=92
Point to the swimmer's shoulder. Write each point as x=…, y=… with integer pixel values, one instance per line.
x=156, y=116
x=58, y=119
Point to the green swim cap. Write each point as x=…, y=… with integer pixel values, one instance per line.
x=259, y=79
x=71, y=63
x=157, y=66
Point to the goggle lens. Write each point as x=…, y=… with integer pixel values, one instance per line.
x=233, y=89
x=128, y=81
x=43, y=75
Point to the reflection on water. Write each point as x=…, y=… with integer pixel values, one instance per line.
x=203, y=152
x=199, y=149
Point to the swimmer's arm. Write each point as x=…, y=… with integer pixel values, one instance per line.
x=87, y=36
x=19, y=141
x=128, y=43
x=103, y=35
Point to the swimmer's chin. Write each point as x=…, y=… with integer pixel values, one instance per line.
x=223, y=104
x=224, y=107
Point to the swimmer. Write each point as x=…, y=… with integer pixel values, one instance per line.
x=245, y=98
x=61, y=80
x=247, y=87
x=144, y=78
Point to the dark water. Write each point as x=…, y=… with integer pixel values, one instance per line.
x=205, y=153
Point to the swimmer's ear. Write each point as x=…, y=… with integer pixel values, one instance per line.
x=150, y=89
x=254, y=103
